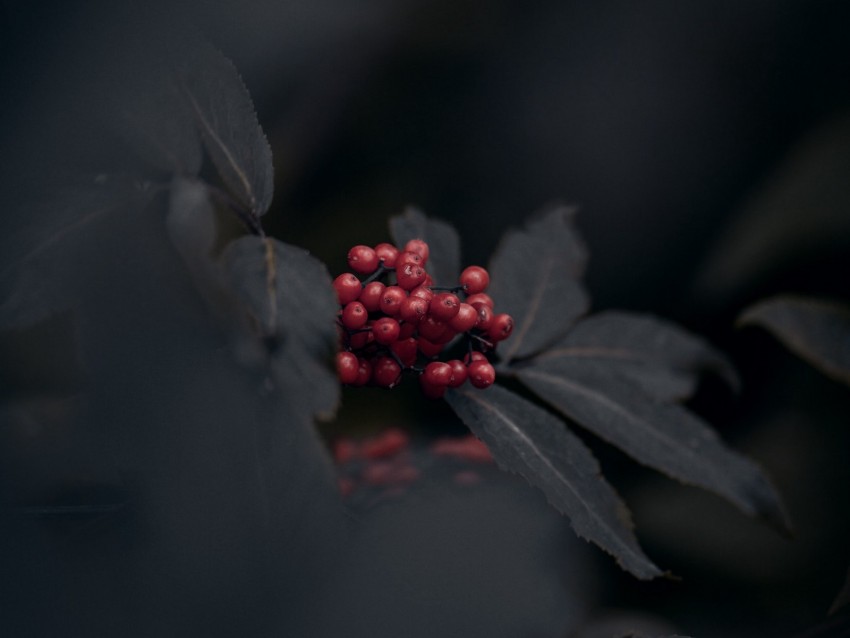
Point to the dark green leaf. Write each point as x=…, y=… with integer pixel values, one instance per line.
x=225, y=115
x=663, y=436
x=289, y=296
x=529, y=441
x=656, y=355
x=534, y=277
x=815, y=330
x=443, y=243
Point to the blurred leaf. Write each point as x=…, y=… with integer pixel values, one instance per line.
x=534, y=277
x=191, y=219
x=663, y=436
x=843, y=597
x=288, y=294
x=659, y=357
x=229, y=128
x=443, y=243
x=41, y=258
x=529, y=441
x=815, y=330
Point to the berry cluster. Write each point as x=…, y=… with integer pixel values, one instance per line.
x=396, y=320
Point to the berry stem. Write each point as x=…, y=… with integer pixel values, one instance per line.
x=377, y=274
x=452, y=289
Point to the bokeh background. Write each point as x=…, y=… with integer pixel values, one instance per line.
x=706, y=144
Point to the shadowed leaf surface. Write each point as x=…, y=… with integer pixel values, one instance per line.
x=527, y=440
x=661, y=358
x=443, y=243
x=288, y=294
x=232, y=136
x=663, y=436
x=817, y=331
x=534, y=277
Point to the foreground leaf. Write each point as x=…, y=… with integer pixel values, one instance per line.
x=534, y=275
x=225, y=115
x=815, y=330
x=661, y=358
x=529, y=441
x=443, y=243
x=288, y=294
x=663, y=436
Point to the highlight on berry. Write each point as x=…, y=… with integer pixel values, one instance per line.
x=395, y=321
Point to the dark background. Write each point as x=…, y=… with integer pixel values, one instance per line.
x=706, y=145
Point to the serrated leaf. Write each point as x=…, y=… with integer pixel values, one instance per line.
x=443, y=243
x=659, y=357
x=36, y=273
x=534, y=277
x=231, y=134
x=664, y=436
x=525, y=439
x=289, y=295
x=817, y=331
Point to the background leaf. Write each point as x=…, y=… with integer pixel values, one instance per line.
x=664, y=436
x=534, y=277
x=660, y=357
x=529, y=441
x=443, y=243
x=288, y=294
x=817, y=331
x=229, y=128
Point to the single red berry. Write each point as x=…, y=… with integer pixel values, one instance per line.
x=438, y=373
x=360, y=340
x=420, y=247
x=386, y=330
x=364, y=371
x=406, y=350
x=474, y=279
x=447, y=335
x=485, y=316
x=413, y=309
x=409, y=276
x=345, y=450
x=387, y=444
x=422, y=291
x=474, y=356
x=386, y=372
x=430, y=390
x=363, y=259
x=391, y=300
x=501, y=328
x=465, y=319
x=429, y=348
x=348, y=287
x=371, y=295
x=428, y=281
x=407, y=257
x=481, y=297
x=407, y=330
x=481, y=374
x=459, y=373
x=346, y=367
x=430, y=328
x=354, y=315
x=444, y=306
x=387, y=253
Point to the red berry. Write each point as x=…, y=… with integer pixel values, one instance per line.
x=409, y=276
x=407, y=330
x=386, y=372
x=422, y=291
x=347, y=287
x=474, y=279
x=465, y=319
x=444, y=306
x=371, y=295
x=420, y=247
x=481, y=374
x=474, y=356
x=485, y=317
x=406, y=351
x=438, y=373
x=430, y=390
x=389, y=443
x=386, y=330
x=363, y=259
x=391, y=300
x=364, y=371
x=447, y=335
x=360, y=340
x=481, y=297
x=354, y=315
x=501, y=328
x=387, y=253
x=431, y=329
x=345, y=450
x=346, y=367
x=429, y=348
x=413, y=309
x=407, y=257
x=459, y=373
